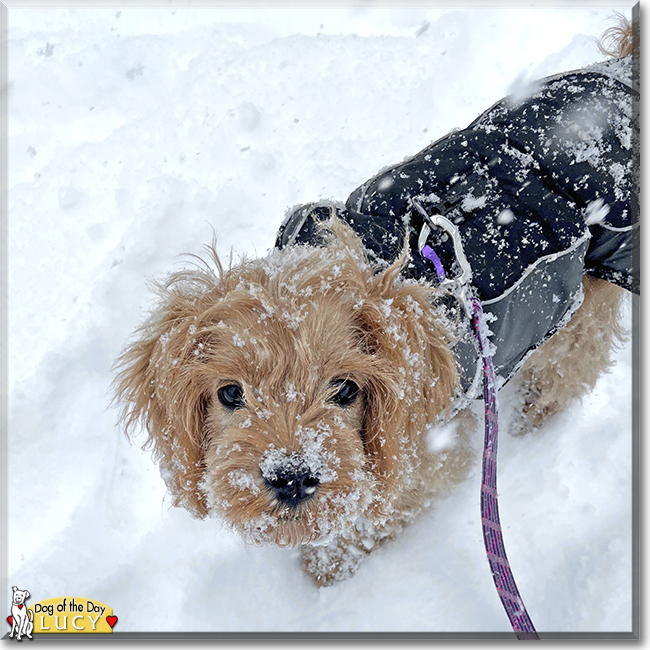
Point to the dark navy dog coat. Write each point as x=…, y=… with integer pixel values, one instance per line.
x=537, y=191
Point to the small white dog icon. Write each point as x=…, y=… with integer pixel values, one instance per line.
x=21, y=622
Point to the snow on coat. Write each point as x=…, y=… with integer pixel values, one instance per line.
x=541, y=189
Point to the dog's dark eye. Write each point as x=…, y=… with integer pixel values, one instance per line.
x=231, y=396
x=346, y=392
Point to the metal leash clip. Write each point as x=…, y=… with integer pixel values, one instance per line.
x=460, y=284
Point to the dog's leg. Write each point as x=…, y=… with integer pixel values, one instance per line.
x=337, y=561
x=567, y=366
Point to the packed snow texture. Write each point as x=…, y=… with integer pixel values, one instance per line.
x=137, y=133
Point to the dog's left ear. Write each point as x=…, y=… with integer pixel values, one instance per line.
x=416, y=377
x=419, y=330
x=160, y=385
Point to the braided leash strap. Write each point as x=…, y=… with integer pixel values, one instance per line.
x=492, y=536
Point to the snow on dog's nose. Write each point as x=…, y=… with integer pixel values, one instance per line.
x=289, y=479
x=292, y=486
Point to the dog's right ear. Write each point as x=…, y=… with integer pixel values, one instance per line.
x=159, y=385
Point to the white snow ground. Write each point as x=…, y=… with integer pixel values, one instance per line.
x=133, y=133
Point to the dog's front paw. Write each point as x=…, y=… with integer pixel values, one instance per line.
x=335, y=562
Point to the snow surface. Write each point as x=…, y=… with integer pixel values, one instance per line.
x=135, y=133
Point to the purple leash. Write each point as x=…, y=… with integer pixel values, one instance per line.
x=492, y=536
x=431, y=255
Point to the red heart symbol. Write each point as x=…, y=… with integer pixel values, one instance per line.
x=111, y=620
x=10, y=620
x=20, y=606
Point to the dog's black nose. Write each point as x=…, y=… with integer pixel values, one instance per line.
x=292, y=486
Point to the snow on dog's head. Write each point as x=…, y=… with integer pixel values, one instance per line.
x=289, y=395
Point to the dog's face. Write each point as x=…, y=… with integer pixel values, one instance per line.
x=285, y=456
x=289, y=395
x=19, y=596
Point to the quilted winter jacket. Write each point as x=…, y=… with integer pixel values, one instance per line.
x=539, y=190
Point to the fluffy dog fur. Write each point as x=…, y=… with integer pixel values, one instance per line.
x=568, y=365
x=285, y=328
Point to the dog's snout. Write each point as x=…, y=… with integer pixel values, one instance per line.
x=292, y=486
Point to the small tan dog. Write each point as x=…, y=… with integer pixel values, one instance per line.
x=290, y=396
x=294, y=368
